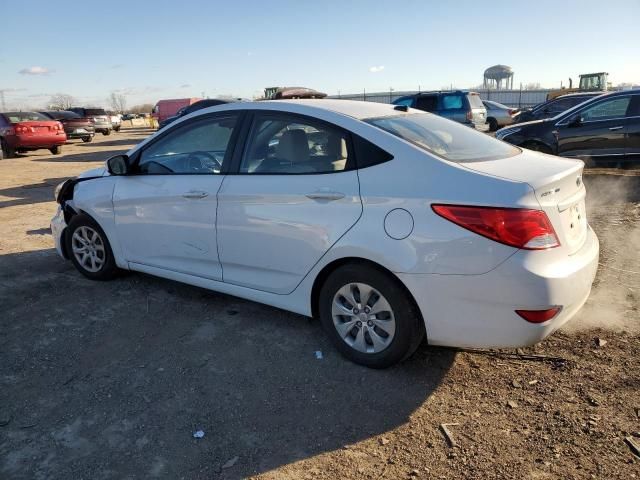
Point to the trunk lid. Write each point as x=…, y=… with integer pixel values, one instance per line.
x=38, y=127
x=557, y=184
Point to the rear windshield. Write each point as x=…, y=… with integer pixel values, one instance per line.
x=444, y=138
x=15, y=117
x=475, y=101
x=62, y=114
x=94, y=111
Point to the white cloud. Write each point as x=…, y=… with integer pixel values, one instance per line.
x=35, y=71
x=376, y=69
x=185, y=85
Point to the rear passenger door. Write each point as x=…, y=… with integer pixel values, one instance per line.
x=293, y=193
x=453, y=107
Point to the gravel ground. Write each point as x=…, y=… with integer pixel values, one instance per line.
x=111, y=380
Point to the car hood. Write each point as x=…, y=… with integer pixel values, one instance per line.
x=95, y=172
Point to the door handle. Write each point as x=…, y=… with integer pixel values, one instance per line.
x=325, y=195
x=616, y=128
x=195, y=194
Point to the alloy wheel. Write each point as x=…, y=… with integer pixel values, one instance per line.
x=88, y=248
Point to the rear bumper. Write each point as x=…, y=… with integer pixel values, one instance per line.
x=18, y=142
x=80, y=132
x=479, y=310
x=481, y=127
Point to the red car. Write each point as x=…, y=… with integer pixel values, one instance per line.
x=24, y=131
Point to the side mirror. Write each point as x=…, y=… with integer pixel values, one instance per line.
x=118, y=165
x=575, y=121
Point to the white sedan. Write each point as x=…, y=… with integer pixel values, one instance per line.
x=387, y=223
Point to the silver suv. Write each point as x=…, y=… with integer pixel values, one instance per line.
x=460, y=106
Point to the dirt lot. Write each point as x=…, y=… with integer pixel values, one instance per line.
x=110, y=380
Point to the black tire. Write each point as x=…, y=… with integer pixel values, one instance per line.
x=88, y=139
x=106, y=133
x=409, y=327
x=57, y=150
x=7, y=152
x=537, y=147
x=108, y=270
x=117, y=129
x=493, y=124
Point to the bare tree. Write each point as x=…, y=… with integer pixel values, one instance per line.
x=61, y=101
x=118, y=102
x=144, y=108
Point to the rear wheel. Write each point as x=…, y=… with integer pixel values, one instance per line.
x=369, y=316
x=537, y=147
x=493, y=124
x=106, y=132
x=87, y=139
x=7, y=151
x=89, y=249
x=57, y=150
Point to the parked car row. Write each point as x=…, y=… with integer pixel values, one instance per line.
x=605, y=128
x=26, y=131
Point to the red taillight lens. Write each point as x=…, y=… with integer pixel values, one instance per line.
x=469, y=115
x=516, y=227
x=538, y=316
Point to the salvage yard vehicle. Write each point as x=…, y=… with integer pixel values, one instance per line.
x=74, y=125
x=101, y=121
x=26, y=131
x=605, y=129
x=164, y=109
x=499, y=115
x=387, y=223
x=461, y=106
x=207, y=102
x=554, y=107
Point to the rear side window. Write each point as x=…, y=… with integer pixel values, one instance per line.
x=368, y=154
x=94, y=111
x=474, y=100
x=452, y=102
x=428, y=103
x=449, y=140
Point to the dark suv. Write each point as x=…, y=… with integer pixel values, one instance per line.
x=551, y=108
x=603, y=129
x=460, y=106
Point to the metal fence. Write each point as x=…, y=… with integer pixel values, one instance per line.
x=511, y=98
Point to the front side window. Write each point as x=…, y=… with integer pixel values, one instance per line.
x=404, y=101
x=449, y=140
x=199, y=147
x=608, y=109
x=282, y=145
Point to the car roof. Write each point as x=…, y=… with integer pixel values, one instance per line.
x=351, y=108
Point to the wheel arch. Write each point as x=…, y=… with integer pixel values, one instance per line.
x=340, y=262
x=537, y=141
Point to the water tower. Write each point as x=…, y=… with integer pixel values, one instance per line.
x=494, y=76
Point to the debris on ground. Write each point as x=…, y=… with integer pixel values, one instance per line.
x=601, y=342
x=512, y=404
x=633, y=446
x=230, y=463
x=447, y=434
x=384, y=441
x=198, y=434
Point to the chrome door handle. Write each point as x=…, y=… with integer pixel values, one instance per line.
x=194, y=194
x=616, y=128
x=322, y=195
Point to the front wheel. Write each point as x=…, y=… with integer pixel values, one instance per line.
x=87, y=139
x=106, y=133
x=89, y=249
x=57, y=150
x=537, y=147
x=369, y=316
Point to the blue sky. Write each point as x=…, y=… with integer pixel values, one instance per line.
x=162, y=49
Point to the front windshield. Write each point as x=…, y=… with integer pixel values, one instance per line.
x=445, y=138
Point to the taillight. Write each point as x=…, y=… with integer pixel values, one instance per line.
x=469, y=115
x=516, y=227
x=23, y=129
x=538, y=316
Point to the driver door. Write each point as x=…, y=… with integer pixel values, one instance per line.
x=165, y=212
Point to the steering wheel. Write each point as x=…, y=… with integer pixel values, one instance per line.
x=209, y=163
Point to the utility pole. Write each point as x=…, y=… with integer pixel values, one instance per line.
x=3, y=105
